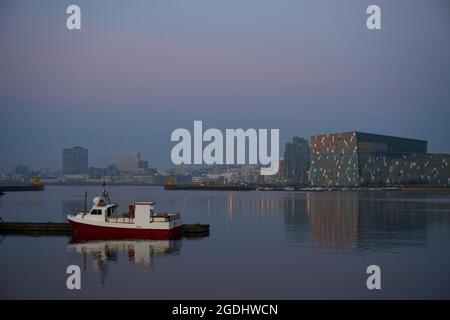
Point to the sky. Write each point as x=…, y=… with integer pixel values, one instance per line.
x=137, y=70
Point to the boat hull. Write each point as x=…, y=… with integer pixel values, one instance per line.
x=126, y=233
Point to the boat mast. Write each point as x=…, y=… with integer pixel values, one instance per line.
x=105, y=194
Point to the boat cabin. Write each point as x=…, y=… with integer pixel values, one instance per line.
x=101, y=210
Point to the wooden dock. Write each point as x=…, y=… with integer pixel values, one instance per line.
x=21, y=188
x=52, y=228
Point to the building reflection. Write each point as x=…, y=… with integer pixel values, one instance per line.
x=262, y=203
x=357, y=221
x=141, y=253
x=333, y=219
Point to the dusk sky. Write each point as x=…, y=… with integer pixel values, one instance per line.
x=137, y=70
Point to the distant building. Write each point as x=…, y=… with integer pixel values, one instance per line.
x=216, y=178
x=132, y=165
x=276, y=178
x=97, y=173
x=112, y=170
x=75, y=161
x=364, y=159
x=22, y=170
x=142, y=164
x=199, y=179
x=297, y=161
x=129, y=162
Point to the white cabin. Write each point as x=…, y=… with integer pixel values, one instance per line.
x=140, y=215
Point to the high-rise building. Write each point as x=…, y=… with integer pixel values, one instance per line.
x=75, y=160
x=364, y=159
x=297, y=161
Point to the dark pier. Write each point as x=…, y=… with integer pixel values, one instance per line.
x=17, y=188
x=199, y=187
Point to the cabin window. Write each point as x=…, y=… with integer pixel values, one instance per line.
x=96, y=212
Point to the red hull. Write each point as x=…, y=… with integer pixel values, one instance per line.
x=125, y=233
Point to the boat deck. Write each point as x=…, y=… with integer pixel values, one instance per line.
x=159, y=217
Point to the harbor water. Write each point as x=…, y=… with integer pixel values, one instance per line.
x=262, y=245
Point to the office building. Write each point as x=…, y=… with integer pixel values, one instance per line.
x=296, y=161
x=75, y=160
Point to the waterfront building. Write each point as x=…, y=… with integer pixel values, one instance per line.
x=365, y=159
x=199, y=179
x=249, y=174
x=297, y=161
x=75, y=161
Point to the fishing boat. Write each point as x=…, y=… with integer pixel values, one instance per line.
x=140, y=222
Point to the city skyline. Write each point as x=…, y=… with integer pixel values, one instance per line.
x=116, y=159
x=346, y=159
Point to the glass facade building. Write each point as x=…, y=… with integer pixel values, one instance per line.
x=364, y=159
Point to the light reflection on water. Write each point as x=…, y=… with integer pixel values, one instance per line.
x=262, y=245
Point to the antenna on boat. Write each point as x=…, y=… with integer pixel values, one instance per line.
x=85, y=201
x=105, y=193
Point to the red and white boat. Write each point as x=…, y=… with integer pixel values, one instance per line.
x=141, y=222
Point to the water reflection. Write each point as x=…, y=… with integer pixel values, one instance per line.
x=333, y=219
x=348, y=221
x=103, y=253
x=358, y=221
x=307, y=235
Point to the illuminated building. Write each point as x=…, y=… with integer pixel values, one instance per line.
x=364, y=159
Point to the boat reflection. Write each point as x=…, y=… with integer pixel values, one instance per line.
x=104, y=251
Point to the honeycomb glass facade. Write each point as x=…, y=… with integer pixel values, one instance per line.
x=364, y=159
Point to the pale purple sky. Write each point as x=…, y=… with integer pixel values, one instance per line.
x=140, y=69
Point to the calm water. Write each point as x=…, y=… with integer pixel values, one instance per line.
x=263, y=245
